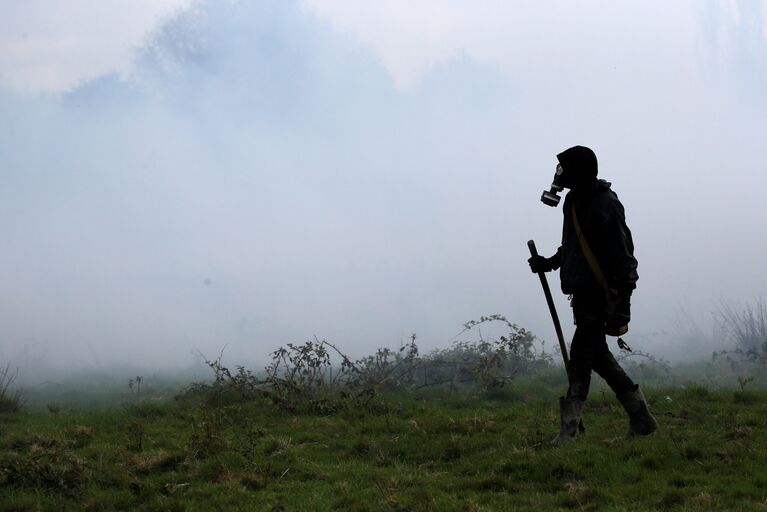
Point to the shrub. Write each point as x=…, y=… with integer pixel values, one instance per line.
x=10, y=400
x=490, y=363
x=747, y=328
x=317, y=375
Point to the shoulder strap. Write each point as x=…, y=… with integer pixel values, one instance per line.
x=592, y=261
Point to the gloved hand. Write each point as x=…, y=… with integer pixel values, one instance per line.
x=617, y=324
x=540, y=264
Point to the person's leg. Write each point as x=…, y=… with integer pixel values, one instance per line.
x=582, y=353
x=641, y=421
x=610, y=370
x=589, y=328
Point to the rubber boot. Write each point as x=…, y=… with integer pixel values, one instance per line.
x=641, y=422
x=570, y=418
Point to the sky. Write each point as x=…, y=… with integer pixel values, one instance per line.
x=184, y=175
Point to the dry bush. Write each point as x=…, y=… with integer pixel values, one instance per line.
x=747, y=328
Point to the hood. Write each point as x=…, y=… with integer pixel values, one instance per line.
x=579, y=167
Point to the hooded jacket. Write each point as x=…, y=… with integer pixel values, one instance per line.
x=603, y=223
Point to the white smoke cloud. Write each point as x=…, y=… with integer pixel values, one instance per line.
x=53, y=45
x=270, y=170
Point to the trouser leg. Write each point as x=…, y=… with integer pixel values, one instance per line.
x=608, y=368
x=582, y=354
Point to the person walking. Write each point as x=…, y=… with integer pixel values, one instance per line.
x=598, y=271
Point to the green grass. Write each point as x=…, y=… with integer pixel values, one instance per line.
x=468, y=451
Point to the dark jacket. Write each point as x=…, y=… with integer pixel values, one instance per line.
x=603, y=223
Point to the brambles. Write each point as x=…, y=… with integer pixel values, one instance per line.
x=489, y=363
x=318, y=376
x=386, y=369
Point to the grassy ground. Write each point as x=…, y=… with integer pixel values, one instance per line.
x=464, y=452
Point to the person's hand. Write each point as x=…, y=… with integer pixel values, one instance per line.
x=539, y=264
x=617, y=324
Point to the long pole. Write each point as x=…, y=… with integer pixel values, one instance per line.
x=552, y=309
x=555, y=318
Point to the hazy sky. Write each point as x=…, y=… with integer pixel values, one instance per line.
x=178, y=174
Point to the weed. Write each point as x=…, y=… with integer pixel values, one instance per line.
x=135, y=430
x=207, y=434
x=744, y=381
x=10, y=400
x=134, y=385
x=81, y=435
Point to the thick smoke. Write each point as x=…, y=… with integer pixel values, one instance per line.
x=260, y=179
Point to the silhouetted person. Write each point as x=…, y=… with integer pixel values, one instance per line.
x=601, y=303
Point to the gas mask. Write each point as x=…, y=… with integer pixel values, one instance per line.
x=551, y=197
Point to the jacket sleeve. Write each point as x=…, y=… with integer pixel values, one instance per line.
x=556, y=261
x=621, y=263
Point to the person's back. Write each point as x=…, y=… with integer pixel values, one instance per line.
x=603, y=224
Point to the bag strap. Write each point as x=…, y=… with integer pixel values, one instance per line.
x=592, y=261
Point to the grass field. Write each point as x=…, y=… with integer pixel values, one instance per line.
x=464, y=451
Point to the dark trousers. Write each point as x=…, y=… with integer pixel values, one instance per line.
x=589, y=350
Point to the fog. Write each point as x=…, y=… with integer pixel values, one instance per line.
x=266, y=171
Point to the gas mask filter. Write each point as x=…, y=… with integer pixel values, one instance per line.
x=551, y=197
